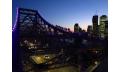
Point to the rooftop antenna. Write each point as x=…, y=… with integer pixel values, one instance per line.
x=98, y=18
x=96, y=12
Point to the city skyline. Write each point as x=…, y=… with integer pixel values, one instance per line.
x=65, y=12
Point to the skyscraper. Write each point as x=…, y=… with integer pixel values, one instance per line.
x=76, y=27
x=89, y=30
x=103, y=28
x=95, y=25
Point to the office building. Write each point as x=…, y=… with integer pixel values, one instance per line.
x=76, y=28
x=89, y=30
x=95, y=25
x=103, y=27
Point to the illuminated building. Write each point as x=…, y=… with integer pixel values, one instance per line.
x=106, y=28
x=103, y=28
x=95, y=25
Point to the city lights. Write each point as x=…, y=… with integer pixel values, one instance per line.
x=47, y=47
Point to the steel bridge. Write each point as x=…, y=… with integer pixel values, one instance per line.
x=33, y=36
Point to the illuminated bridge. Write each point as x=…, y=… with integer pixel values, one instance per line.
x=39, y=45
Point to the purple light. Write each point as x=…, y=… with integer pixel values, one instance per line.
x=14, y=27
